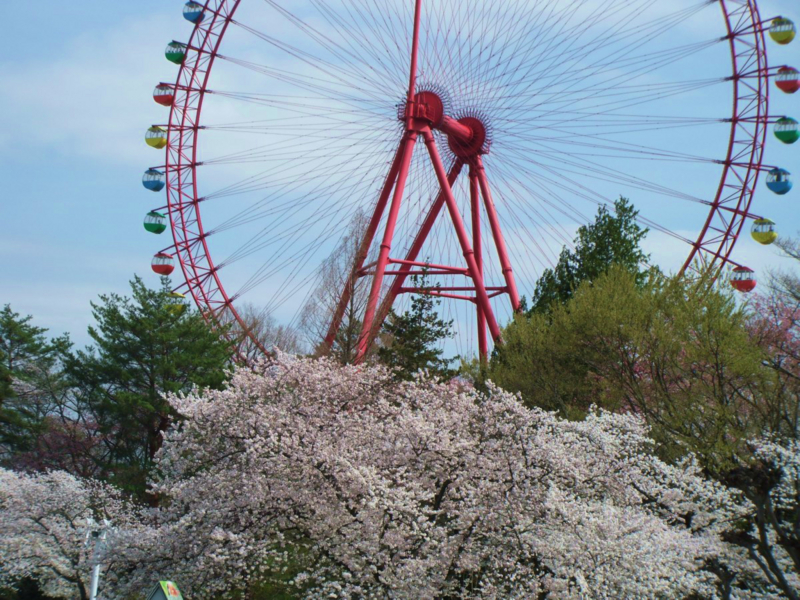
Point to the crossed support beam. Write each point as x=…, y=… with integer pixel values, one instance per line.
x=471, y=246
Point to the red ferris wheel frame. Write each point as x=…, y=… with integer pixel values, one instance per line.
x=727, y=212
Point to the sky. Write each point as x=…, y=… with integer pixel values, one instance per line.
x=77, y=80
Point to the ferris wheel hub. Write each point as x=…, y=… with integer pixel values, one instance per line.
x=467, y=136
x=462, y=146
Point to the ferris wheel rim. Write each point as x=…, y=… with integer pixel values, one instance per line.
x=201, y=276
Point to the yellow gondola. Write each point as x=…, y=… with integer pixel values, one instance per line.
x=176, y=303
x=763, y=231
x=156, y=137
x=782, y=30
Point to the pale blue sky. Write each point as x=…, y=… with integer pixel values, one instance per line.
x=77, y=81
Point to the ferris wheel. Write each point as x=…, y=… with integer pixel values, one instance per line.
x=470, y=140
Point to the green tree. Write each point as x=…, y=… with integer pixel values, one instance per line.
x=27, y=360
x=144, y=346
x=680, y=353
x=611, y=239
x=27, y=589
x=411, y=340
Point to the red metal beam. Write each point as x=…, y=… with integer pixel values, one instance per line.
x=406, y=151
x=363, y=249
x=475, y=208
x=419, y=240
x=497, y=233
x=463, y=238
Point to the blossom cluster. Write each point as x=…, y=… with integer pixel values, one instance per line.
x=422, y=489
x=44, y=523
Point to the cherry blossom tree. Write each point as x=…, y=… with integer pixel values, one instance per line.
x=418, y=490
x=44, y=519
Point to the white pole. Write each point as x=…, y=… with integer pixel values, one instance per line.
x=95, y=580
x=98, y=533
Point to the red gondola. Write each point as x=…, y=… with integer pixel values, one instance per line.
x=163, y=263
x=788, y=80
x=743, y=279
x=164, y=94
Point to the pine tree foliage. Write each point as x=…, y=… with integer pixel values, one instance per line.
x=144, y=346
x=26, y=360
x=412, y=340
x=613, y=238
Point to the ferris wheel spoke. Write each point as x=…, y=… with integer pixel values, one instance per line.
x=292, y=206
x=587, y=193
x=567, y=130
x=278, y=175
x=525, y=34
x=512, y=199
x=347, y=69
x=303, y=81
x=522, y=203
x=265, y=208
x=268, y=152
x=298, y=105
x=582, y=83
x=649, y=223
x=569, y=103
x=566, y=144
x=366, y=42
x=559, y=177
x=255, y=243
x=557, y=70
x=598, y=172
x=333, y=122
x=558, y=97
x=523, y=190
x=553, y=44
x=385, y=22
x=278, y=257
x=298, y=260
x=292, y=153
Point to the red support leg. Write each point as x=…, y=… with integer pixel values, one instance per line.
x=363, y=249
x=497, y=234
x=406, y=151
x=482, y=298
x=475, y=205
x=419, y=240
x=412, y=82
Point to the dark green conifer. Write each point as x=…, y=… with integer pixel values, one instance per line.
x=412, y=339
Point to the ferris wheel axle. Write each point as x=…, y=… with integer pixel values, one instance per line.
x=467, y=136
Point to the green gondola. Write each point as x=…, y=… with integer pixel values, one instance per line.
x=175, y=52
x=787, y=130
x=155, y=222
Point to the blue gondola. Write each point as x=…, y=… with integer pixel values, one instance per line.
x=193, y=12
x=154, y=180
x=779, y=181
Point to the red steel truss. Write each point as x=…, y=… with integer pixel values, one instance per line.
x=749, y=121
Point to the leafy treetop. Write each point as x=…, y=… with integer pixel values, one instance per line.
x=613, y=238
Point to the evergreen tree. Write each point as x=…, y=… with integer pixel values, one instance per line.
x=412, y=338
x=27, y=357
x=144, y=346
x=611, y=239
